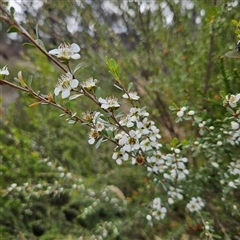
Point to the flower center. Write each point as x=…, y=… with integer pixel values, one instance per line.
x=65, y=84
x=132, y=141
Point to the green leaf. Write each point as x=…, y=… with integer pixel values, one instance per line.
x=233, y=54
x=184, y=142
x=40, y=42
x=235, y=22
x=67, y=105
x=37, y=31
x=130, y=86
x=71, y=121
x=120, y=115
x=98, y=92
x=112, y=64
x=12, y=29
x=16, y=79
x=98, y=143
x=110, y=134
x=30, y=78
x=75, y=96
x=28, y=45
x=174, y=142
x=117, y=87
x=183, y=103
x=77, y=67
x=222, y=94
x=172, y=108
x=217, y=236
x=237, y=31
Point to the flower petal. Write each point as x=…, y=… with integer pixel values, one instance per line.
x=54, y=52
x=74, y=83
x=65, y=93
x=75, y=47
x=101, y=100
x=91, y=141
x=75, y=56
x=57, y=90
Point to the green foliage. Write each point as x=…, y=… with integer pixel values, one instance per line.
x=167, y=63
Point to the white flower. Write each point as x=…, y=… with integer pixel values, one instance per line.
x=160, y=213
x=191, y=113
x=149, y=217
x=131, y=95
x=233, y=100
x=232, y=185
x=4, y=71
x=99, y=126
x=128, y=121
x=92, y=136
x=141, y=112
x=180, y=112
x=130, y=142
x=215, y=164
x=195, y=204
x=110, y=102
x=65, y=84
x=120, y=156
x=234, y=125
x=89, y=84
x=66, y=51
x=157, y=203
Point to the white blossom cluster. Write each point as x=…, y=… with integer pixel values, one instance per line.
x=137, y=140
x=4, y=71
x=105, y=230
x=195, y=204
x=232, y=103
x=67, y=182
x=232, y=177
x=136, y=143
x=158, y=212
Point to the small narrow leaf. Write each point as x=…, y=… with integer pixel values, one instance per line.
x=12, y=29
x=37, y=31
x=16, y=79
x=98, y=143
x=130, y=86
x=98, y=92
x=120, y=115
x=28, y=45
x=75, y=96
x=172, y=108
x=174, y=142
x=237, y=31
x=30, y=78
x=40, y=43
x=235, y=22
x=34, y=104
x=68, y=104
x=117, y=87
x=223, y=94
x=233, y=54
x=71, y=121
x=77, y=67
x=112, y=63
x=21, y=80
